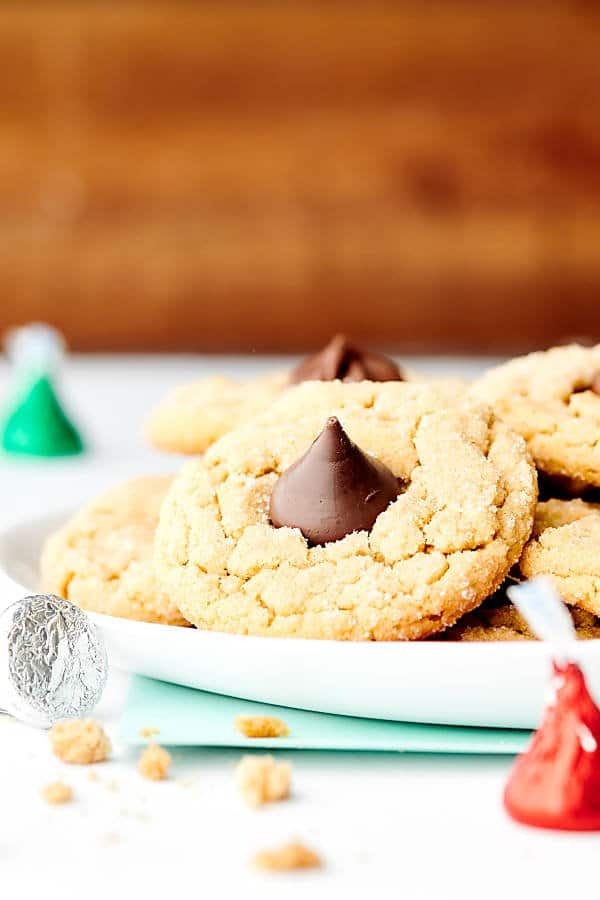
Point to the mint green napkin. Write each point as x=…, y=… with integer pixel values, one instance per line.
x=188, y=717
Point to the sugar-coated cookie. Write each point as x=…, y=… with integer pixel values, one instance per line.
x=467, y=491
x=194, y=416
x=101, y=559
x=552, y=399
x=566, y=546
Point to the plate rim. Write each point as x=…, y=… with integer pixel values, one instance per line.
x=55, y=517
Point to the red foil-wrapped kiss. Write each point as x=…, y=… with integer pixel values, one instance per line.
x=556, y=782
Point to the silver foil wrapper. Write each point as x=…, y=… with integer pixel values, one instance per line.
x=53, y=662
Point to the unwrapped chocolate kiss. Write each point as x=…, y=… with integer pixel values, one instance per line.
x=344, y=361
x=333, y=490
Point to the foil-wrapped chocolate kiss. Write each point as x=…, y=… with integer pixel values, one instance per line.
x=53, y=662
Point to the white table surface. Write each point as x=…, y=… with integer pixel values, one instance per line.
x=408, y=826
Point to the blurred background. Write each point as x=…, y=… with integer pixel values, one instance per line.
x=238, y=176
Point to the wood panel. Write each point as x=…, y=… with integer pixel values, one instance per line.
x=252, y=175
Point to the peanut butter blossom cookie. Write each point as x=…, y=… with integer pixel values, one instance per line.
x=565, y=546
x=348, y=511
x=553, y=399
x=101, y=560
x=194, y=416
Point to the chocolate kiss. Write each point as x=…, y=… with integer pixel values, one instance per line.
x=333, y=490
x=556, y=782
x=342, y=360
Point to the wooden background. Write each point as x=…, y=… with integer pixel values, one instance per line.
x=235, y=176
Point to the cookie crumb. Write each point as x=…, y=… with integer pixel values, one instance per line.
x=149, y=732
x=187, y=782
x=57, y=792
x=79, y=741
x=261, y=726
x=109, y=839
x=283, y=859
x=262, y=780
x=154, y=762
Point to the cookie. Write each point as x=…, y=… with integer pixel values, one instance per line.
x=552, y=399
x=466, y=494
x=101, y=559
x=566, y=546
x=498, y=620
x=194, y=416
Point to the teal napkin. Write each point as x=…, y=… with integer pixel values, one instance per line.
x=187, y=717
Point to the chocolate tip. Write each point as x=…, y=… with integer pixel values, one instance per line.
x=336, y=433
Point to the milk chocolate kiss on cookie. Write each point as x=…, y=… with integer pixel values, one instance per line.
x=333, y=490
x=341, y=360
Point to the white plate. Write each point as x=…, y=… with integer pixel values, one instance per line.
x=499, y=684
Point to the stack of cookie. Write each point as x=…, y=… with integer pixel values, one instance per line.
x=552, y=399
x=345, y=500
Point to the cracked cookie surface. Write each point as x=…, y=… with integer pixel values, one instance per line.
x=566, y=546
x=101, y=559
x=548, y=398
x=194, y=416
x=435, y=553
